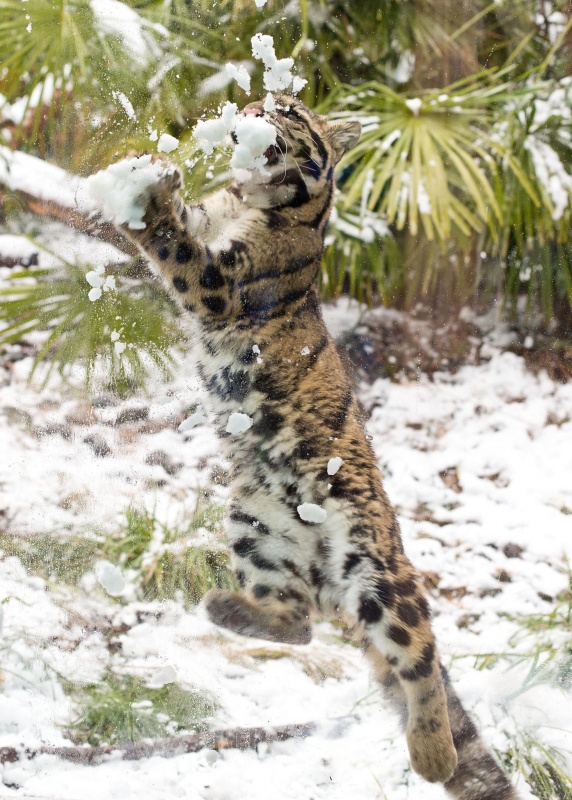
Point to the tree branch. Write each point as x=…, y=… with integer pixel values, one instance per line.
x=239, y=738
x=89, y=224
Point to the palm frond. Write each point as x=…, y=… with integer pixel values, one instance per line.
x=79, y=332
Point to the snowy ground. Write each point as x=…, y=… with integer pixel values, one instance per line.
x=476, y=463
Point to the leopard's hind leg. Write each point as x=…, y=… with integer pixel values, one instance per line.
x=274, y=603
x=477, y=775
x=395, y=616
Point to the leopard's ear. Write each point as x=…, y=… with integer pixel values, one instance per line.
x=342, y=136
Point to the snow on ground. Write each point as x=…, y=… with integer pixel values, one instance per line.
x=476, y=463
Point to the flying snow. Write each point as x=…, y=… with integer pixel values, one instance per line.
x=99, y=282
x=110, y=577
x=238, y=423
x=167, y=143
x=334, y=464
x=310, y=512
x=254, y=136
x=278, y=71
x=119, y=190
x=163, y=677
x=240, y=75
x=192, y=421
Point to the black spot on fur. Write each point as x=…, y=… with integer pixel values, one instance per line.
x=241, y=578
x=163, y=253
x=301, y=195
x=341, y=488
x=399, y=635
x=184, y=215
x=244, y=546
x=424, y=666
x=320, y=347
x=263, y=563
x=317, y=576
x=212, y=278
x=362, y=532
x=274, y=220
x=189, y=307
x=180, y=284
x=317, y=220
x=248, y=356
x=466, y=733
x=423, y=607
x=305, y=450
x=376, y=563
x=405, y=587
x=408, y=614
x=260, y=527
x=337, y=420
x=384, y=593
x=266, y=383
x=298, y=264
x=260, y=591
x=235, y=385
x=351, y=562
x=269, y=424
x=369, y=610
x=227, y=258
x=253, y=305
x=215, y=304
x=184, y=253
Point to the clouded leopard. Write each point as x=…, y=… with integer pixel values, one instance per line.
x=243, y=265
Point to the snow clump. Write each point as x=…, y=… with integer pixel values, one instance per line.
x=163, y=677
x=310, y=512
x=99, y=282
x=192, y=421
x=119, y=190
x=334, y=465
x=110, y=577
x=167, y=143
x=278, y=71
x=209, y=132
x=254, y=136
x=240, y=75
x=238, y=423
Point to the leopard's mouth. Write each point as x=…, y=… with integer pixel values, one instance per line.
x=271, y=155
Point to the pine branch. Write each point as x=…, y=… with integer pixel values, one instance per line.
x=239, y=738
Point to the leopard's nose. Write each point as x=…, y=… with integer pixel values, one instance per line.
x=254, y=110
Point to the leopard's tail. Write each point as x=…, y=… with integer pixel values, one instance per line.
x=477, y=775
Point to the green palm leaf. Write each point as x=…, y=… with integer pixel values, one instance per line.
x=78, y=332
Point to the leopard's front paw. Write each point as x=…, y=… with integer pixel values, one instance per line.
x=136, y=192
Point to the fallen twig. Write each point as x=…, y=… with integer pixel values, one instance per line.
x=239, y=738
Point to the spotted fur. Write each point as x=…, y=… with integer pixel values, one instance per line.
x=244, y=265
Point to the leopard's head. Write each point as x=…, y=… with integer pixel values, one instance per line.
x=308, y=147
